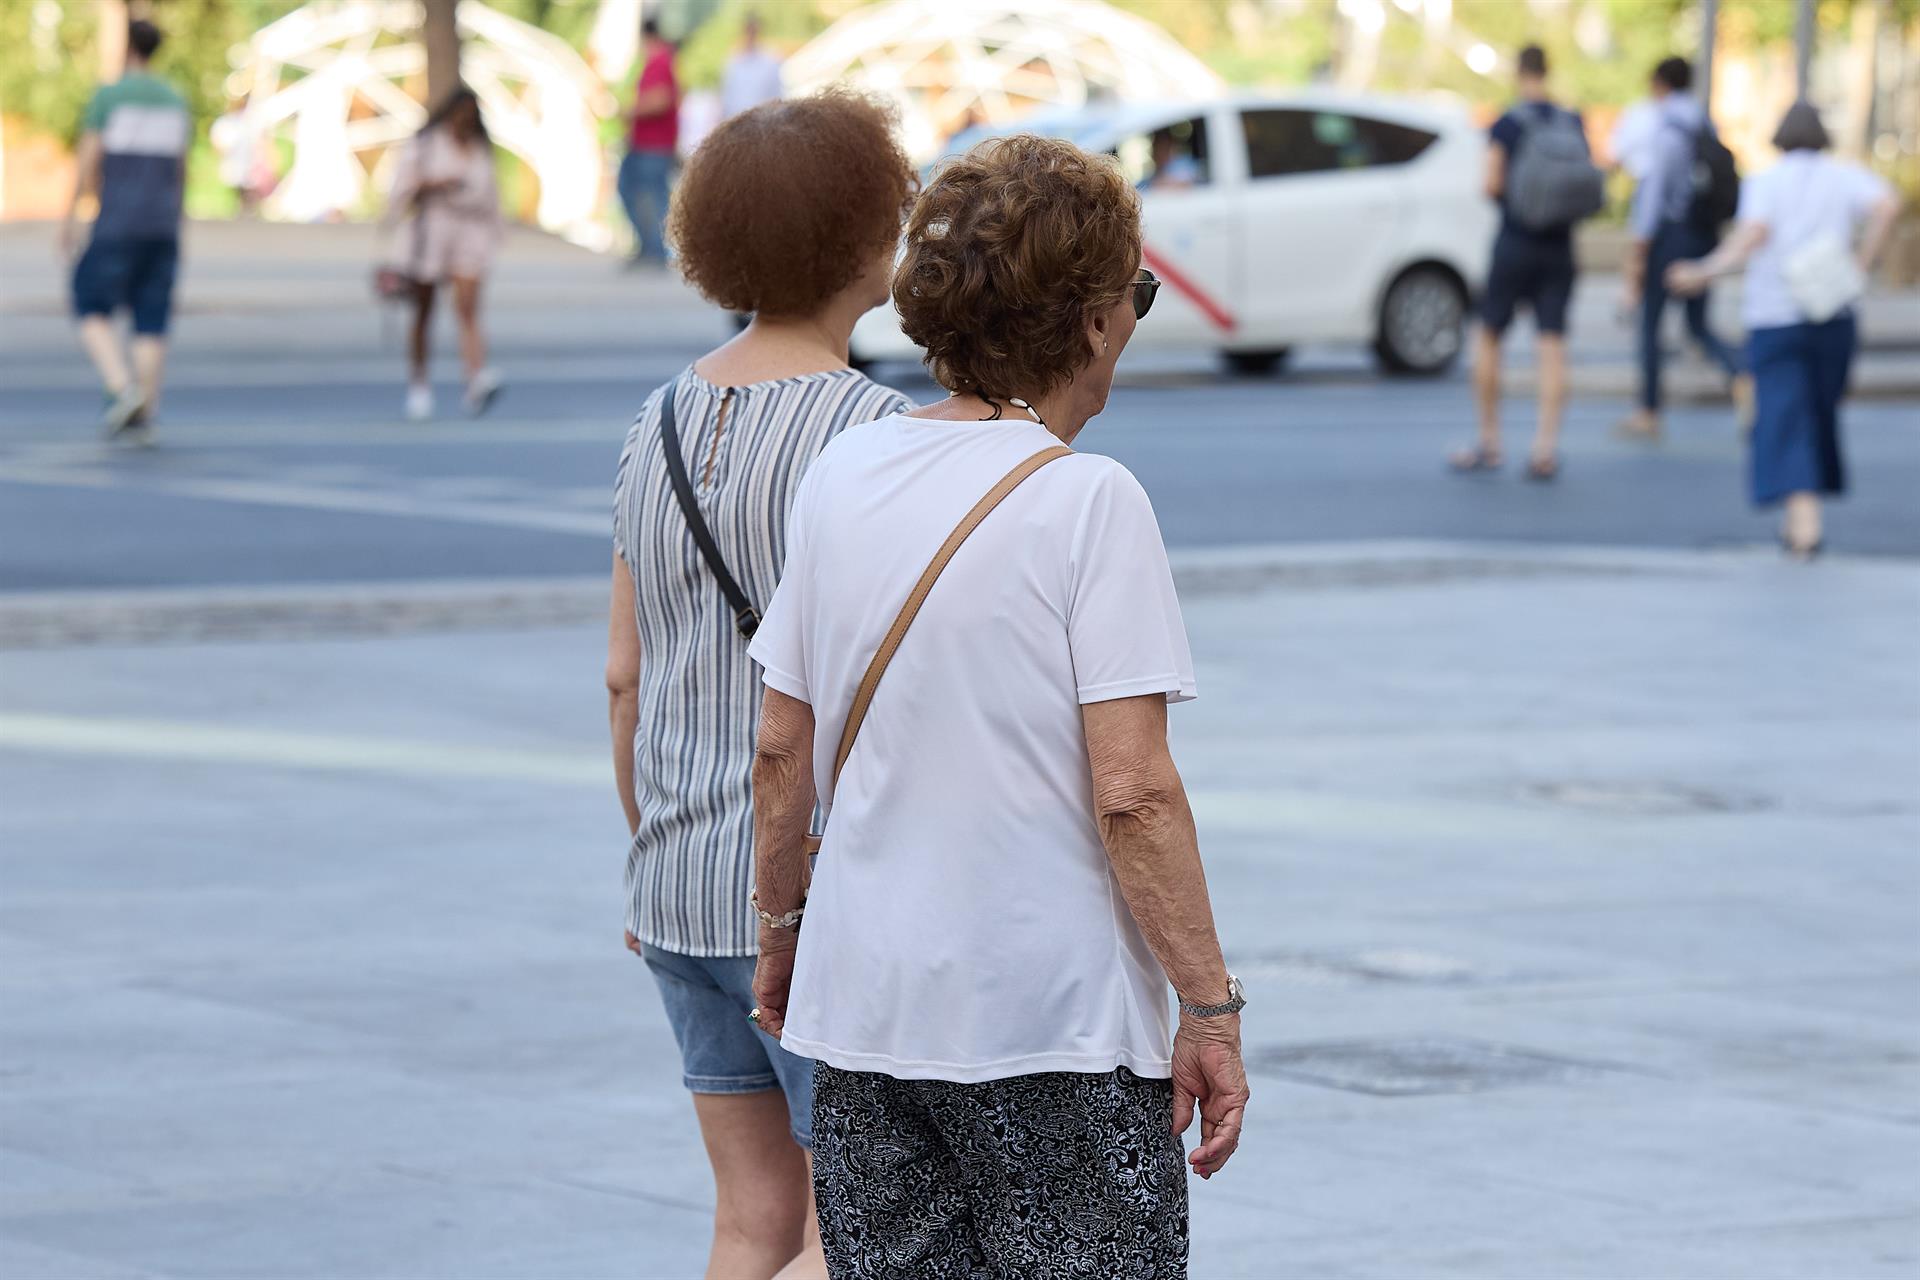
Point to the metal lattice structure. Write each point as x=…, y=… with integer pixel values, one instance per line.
x=335, y=78
x=949, y=63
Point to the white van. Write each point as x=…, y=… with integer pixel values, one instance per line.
x=1272, y=221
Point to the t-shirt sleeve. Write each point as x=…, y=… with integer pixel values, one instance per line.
x=1124, y=627
x=1865, y=189
x=1756, y=200
x=1505, y=132
x=779, y=643
x=95, y=118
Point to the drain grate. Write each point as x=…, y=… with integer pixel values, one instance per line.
x=1648, y=799
x=1421, y=1065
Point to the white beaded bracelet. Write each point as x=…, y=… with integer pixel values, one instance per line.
x=791, y=920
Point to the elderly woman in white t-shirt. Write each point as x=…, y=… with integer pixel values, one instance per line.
x=1809, y=230
x=1010, y=877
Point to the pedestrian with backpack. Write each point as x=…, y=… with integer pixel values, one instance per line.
x=1689, y=191
x=1542, y=175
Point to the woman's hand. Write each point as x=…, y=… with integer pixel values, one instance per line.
x=1687, y=278
x=1207, y=1070
x=633, y=943
x=772, y=976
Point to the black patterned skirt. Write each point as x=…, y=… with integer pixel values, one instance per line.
x=1035, y=1177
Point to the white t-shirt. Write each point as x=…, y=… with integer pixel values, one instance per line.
x=1802, y=198
x=963, y=922
x=751, y=78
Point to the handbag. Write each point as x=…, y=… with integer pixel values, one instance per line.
x=890, y=643
x=1823, y=278
x=746, y=618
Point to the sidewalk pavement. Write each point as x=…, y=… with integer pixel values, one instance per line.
x=1573, y=889
x=259, y=301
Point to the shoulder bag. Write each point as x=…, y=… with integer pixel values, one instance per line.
x=746, y=618
x=890, y=644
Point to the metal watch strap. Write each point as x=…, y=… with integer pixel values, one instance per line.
x=746, y=619
x=1235, y=1002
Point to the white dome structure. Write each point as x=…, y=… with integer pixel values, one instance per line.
x=331, y=77
x=950, y=63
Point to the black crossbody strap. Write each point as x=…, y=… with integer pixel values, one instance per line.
x=746, y=618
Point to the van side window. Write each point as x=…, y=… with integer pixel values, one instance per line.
x=1168, y=158
x=1281, y=143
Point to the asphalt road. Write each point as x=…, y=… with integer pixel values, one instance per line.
x=284, y=458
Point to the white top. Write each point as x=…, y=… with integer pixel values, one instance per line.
x=1803, y=198
x=964, y=923
x=751, y=78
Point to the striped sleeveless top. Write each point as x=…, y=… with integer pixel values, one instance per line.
x=690, y=866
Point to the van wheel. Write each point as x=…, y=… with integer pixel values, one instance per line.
x=1257, y=363
x=1420, y=322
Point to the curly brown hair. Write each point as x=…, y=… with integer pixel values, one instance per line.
x=1009, y=250
x=783, y=206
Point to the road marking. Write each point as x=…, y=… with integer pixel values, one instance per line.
x=179, y=740
x=1184, y=284
x=366, y=502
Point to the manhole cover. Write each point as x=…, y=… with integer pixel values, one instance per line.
x=1322, y=969
x=1644, y=798
x=1399, y=1068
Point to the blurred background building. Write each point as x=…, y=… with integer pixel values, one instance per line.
x=300, y=102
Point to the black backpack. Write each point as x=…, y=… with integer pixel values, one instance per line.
x=1716, y=183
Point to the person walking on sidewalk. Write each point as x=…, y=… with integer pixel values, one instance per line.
x=1010, y=873
x=752, y=75
x=1809, y=231
x=132, y=158
x=1675, y=217
x=653, y=134
x=709, y=472
x=1540, y=172
x=443, y=227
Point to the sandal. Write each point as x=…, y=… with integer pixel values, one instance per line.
x=1478, y=458
x=1544, y=470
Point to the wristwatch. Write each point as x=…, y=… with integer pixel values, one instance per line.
x=1236, y=1001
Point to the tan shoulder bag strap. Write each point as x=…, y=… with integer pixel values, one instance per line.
x=863, y=696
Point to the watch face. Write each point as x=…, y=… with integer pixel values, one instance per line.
x=1234, y=990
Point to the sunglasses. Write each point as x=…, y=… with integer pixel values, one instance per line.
x=1145, y=287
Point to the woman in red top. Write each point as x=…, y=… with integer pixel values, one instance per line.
x=653, y=131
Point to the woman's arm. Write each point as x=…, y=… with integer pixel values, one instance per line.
x=623, y=686
x=1691, y=277
x=783, y=800
x=1147, y=827
x=1880, y=220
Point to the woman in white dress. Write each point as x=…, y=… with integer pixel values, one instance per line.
x=444, y=222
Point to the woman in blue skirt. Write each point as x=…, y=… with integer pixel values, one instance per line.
x=1809, y=231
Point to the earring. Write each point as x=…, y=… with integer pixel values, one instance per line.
x=1104, y=344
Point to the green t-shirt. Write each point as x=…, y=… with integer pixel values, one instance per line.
x=144, y=132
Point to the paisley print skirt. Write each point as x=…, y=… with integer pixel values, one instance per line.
x=1036, y=1177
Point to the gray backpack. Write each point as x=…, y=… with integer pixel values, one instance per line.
x=1553, y=181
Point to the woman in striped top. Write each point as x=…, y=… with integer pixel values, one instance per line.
x=790, y=211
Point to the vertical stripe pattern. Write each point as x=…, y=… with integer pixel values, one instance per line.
x=690, y=866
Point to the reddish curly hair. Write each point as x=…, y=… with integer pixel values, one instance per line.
x=782, y=206
x=1009, y=250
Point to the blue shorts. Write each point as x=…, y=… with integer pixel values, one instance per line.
x=1531, y=272
x=708, y=999
x=136, y=274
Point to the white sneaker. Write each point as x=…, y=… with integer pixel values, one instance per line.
x=123, y=411
x=483, y=390
x=419, y=402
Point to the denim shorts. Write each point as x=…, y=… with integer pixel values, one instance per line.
x=1530, y=271
x=136, y=274
x=708, y=999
